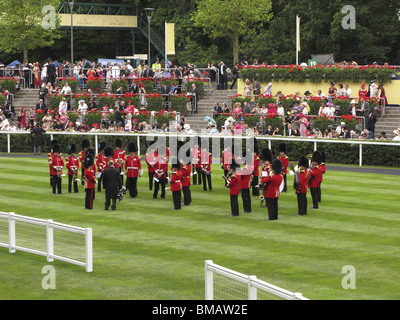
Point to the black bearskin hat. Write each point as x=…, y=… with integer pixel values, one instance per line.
x=90, y=151
x=266, y=155
x=88, y=161
x=56, y=148
x=132, y=147
x=234, y=165
x=118, y=143
x=282, y=147
x=323, y=156
x=303, y=162
x=102, y=146
x=176, y=165
x=276, y=165
x=71, y=148
x=316, y=157
x=85, y=144
x=53, y=143
x=109, y=152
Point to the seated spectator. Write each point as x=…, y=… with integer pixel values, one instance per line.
x=212, y=129
x=238, y=128
x=396, y=135
x=83, y=127
x=256, y=110
x=296, y=133
x=276, y=132
x=70, y=127
x=58, y=126
x=269, y=131
x=345, y=134
x=280, y=110
x=263, y=110
x=382, y=136
x=225, y=108
x=246, y=108
x=328, y=133
x=217, y=110
x=271, y=108
x=316, y=133
x=353, y=108
x=237, y=110
x=66, y=90
x=64, y=119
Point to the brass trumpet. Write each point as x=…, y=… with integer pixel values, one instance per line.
x=228, y=176
x=262, y=198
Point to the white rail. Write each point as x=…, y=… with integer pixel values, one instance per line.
x=50, y=226
x=252, y=282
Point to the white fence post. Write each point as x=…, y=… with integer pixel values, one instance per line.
x=209, y=283
x=8, y=143
x=360, y=156
x=89, y=250
x=252, y=291
x=50, y=241
x=11, y=232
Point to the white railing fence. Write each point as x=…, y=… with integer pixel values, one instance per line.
x=55, y=241
x=225, y=284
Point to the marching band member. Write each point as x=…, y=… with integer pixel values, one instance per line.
x=315, y=178
x=176, y=185
x=323, y=170
x=256, y=171
x=56, y=164
x=301, y=188
x=160, y=175
x=49, y=156
x=186, y=170
x=226, y=159
x=245, y=181
x=101, y=162
x=133, y=168
x=205, y=165
x=72, y=164
x=151, y=158
x=196, y=166
x=266, y=158
x=285, y=163
x=119, y=158
x=109, y=154
x=234, y=187
x=90, y=180
x=272, y=190
x=85, y=146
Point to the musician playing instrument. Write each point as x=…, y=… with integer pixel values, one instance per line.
x=72, y=164
x=90, y=180
x=234, y=187
x=226, y=160
x=272, y=190
x=133, y=169
x=160, y=175
x=245, y=182
x=266, y=158
x=176, y=185
x=101, y=164
x=119, y=158
x=301, y=188
x=205, y=164
x=315, y=177
x=56, y=164
x=323, y=170
x=151, y=158
x=285, y=163
x=85, y=146
x=196, y=165
x=256, y=172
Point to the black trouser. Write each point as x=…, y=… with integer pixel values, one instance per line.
x=254, y=186
x=89, y=198
x=56, y=181
x=225, y=174
x=285, y=182
x=70, y=184
x=51, y=181
x=314, y=196
x=36, y=150
x=234, y=81
x=208, y=178
x=187, y=197
x=234, y=205
x=177, y=197
x=99, y=183
x=151, y=177
x=196, y=177
x=83, y=176
x=272, y=208
x=113, y=205
x=302, y=203
x=161, y=182
x=246, y=200
x=319, y=192
x=131, y=185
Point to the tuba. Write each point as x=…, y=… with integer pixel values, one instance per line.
x=294, y=169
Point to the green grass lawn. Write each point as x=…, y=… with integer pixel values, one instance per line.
x=145, y=250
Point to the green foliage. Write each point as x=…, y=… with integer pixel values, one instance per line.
x=8, y=84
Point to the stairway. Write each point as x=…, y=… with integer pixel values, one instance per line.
x=26, y=98
x=389, y=122
x=205, y=108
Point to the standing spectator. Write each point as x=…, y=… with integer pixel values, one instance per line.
x=32, y=116
x=268, y=90
x=66, y=90
x=37, y=140
x=332, y=91
x=373, y=90
x=63, y=106
x=22, y=118
x=212, y=74
x=247, y=88
x=37, y=79
x=234, y=75
x=363, y=93
x=256, y=87
x=371, y=120
x=347, y=90
x=112, y=185
x=382, y=93
x=223, y=76
x=51, y=72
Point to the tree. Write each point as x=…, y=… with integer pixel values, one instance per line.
x=231, y=18
x=28, y=24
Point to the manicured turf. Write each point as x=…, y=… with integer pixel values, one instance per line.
x=145, y=250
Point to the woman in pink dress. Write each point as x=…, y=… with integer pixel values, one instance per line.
x=237, y=110
x=22, y=118
x=303, y=125
x=271, y=108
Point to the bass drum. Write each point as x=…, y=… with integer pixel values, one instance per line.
x=296, y=180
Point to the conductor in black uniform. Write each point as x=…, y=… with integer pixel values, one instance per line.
x=112, y=184
x=37, y=140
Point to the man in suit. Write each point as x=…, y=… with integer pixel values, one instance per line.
x=223, y=75
x=148, y=73
x=37, y=140
x=41, y=105
x=51, y=72
x=112, y=184
x=118, y=116
x=43, y=92
x=371, y=120
x=363, y=107
x=195, y=97
x=165, y=93
x=134, y=88
x=289, y=131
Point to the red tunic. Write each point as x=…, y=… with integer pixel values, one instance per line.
x=55, y=162
x=323, y=170
x=245, y=177
x=196, y=158
x=234, y=185
x=72, y=164
x=151, y=159
x=101, y=162
x=273, y=186
x=205, y=160
x=226, y=159
x=315, y=177
x=132, y=166
x=161, y=168
x=119, y=158
x=186, y=170
x=90, y=181
x=303, y=181
x=256, y=163
x=285, y=163
x=175, y=181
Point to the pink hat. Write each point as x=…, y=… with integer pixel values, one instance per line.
x=301, y=115
x=329, y=104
